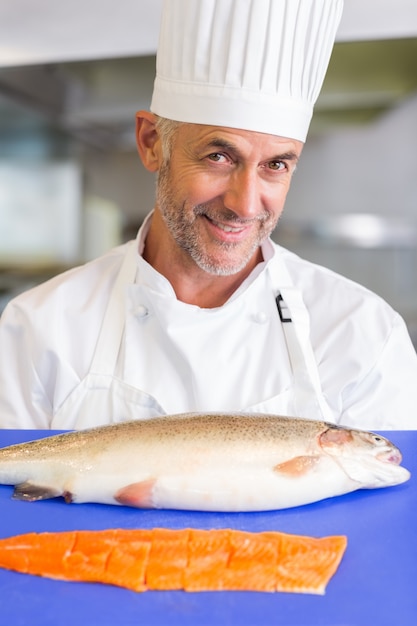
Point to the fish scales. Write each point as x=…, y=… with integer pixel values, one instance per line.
x=220, y=429
x=222, y=461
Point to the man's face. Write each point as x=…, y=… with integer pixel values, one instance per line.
x=223, y=191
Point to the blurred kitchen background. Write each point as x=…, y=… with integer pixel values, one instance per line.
x=72, y=76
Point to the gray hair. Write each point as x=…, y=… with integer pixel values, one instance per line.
x=166, y=129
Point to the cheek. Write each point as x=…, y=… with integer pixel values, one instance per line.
x=200, y=189
x=275, y=199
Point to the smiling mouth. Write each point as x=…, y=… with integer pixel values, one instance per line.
x=226, y=227
x=233, y=229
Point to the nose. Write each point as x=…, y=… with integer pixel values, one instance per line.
x=243, y=195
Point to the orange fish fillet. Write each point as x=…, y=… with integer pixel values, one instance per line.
x=189, y=559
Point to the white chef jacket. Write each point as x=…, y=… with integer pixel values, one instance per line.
x=109, y=341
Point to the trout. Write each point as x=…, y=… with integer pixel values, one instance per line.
x=206, y=462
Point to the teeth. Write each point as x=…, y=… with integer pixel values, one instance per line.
x=228, y=229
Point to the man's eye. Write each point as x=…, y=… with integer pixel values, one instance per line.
x=276, y=165
x=216, y=157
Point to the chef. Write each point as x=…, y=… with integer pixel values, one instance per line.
x=203, y=312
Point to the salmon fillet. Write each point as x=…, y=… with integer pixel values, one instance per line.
x=189, y=559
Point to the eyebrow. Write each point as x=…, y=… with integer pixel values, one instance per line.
x=223, y=144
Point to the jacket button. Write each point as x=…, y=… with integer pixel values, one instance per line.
x=260, y=317
x=141, y=311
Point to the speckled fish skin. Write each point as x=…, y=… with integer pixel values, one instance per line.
x=197, y=461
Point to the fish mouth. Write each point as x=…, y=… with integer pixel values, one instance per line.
x=384, y=450
x=392, y=455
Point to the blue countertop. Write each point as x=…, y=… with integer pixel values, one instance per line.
x=376, y=582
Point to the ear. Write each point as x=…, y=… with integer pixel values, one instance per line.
x=147, y=140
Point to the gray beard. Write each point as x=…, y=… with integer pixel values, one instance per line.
x=182, y=231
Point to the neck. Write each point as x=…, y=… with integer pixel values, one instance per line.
x=191, y=284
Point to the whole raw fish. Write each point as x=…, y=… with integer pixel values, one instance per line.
x=195, y=461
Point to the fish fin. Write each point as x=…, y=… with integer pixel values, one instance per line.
x=297, y=466
x=138, y=494
x=31, y=492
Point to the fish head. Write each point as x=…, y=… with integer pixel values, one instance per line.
x=367, y=458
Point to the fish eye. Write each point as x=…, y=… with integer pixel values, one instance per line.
x=378, y=440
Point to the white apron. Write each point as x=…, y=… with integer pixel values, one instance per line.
x=103, y=397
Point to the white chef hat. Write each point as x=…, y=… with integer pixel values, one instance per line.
x=250, y=64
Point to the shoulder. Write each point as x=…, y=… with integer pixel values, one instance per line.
x=330, y=294
x=366, y=361
x=76, y=289
x=65, y=312
x=347, y=320
x=54, y=327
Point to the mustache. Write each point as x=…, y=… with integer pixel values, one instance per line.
x=229, y=216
